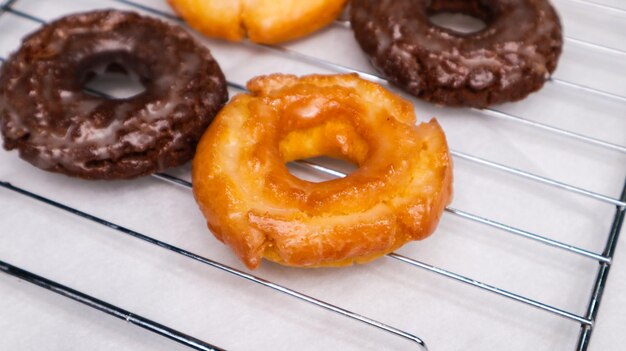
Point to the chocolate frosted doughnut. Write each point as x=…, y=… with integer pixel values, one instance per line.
x=510, y=58
x=57, y=126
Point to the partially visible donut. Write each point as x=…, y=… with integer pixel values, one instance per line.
x=510, y=58
x=262, y=21
x=254, y=205
x=57, y=126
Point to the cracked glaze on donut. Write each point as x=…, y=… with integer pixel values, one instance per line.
x=506, y=61
x=55, y=125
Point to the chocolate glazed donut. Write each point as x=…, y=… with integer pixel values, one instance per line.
x=57, y=126
x=510, y=58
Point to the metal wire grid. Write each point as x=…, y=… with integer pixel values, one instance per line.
x=604, y=259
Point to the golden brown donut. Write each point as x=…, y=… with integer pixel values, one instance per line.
x=262, y=21
x=254, y=205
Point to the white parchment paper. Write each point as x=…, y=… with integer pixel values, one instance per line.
x=238, y=315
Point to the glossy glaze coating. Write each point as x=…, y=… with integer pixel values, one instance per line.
x=261, y=21
x=510, y=58
x=253, y=204
x=55, y=125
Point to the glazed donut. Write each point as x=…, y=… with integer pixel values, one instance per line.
x=46, y=114
x=510, y=58
x=254, y=205
x=262, y=21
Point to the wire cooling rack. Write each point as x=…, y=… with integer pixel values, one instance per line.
x=602, y=143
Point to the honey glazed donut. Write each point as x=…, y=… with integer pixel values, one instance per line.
x=261, y=21
x=506, y=61
x=46, y=114
x=254, y=205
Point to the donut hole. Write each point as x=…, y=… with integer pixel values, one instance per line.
x=334, y=144
x=460, y=16
x=320, y=169
x=458, y=22
x=112, y=80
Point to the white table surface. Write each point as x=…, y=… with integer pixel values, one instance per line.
x=238, y=315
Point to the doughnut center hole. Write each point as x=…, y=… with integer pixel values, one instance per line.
x=458, y=22
x=323, y=147
x=112, y=81
x=320, y=169
x=462, y=17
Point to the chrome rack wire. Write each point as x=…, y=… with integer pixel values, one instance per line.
x=604, y=259
x=431, y=268
x=108, y=308
x=220, y=266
